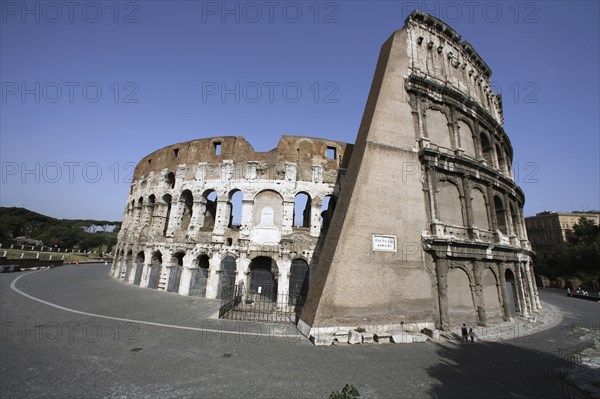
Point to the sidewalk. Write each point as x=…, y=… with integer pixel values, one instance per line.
x=546, y=318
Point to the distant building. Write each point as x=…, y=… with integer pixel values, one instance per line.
x=547, y=231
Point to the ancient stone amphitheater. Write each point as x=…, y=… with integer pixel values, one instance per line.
x=428, y=226
x=178, y=231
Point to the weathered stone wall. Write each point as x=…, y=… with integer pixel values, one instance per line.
x=179, y=212
x=430, y=175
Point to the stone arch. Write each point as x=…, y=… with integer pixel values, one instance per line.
x=510, y=308
x=467, y=141
x=170, y=180
x=487, y=151
x=166, y=213
x=437, y=127
x=228, y=273
x=210, y=210
x=449, y=203
x=186, y=200
x=267, y=217
x=500, y=159
x=139, y=267
x=500, y=211
x=302, y=209
x=299, y=281
x=151, y=209
x=489, y=282
x=480, y=209
x=199, y=278
x=264, y=276
x=235, y=208
x=461, y=307
x=155, y=266
x=175, y=269
x=327, y=209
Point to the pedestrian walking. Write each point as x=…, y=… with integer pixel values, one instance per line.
x=465, y=332
x=472, y=335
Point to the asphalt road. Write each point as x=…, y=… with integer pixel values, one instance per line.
x=55, y=346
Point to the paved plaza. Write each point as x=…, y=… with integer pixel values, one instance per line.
x=75, y=332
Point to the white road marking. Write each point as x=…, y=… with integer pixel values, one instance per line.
x=150, y=323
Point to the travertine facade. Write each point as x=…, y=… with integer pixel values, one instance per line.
x=443, y=241
x=428, y=227
x=178, y=232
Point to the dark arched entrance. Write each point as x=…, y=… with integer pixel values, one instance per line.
x=155, y=265
x=263, y=277
x=299, y=275
x=175, y=270
x=200, y=277
x=228, y=269
x=511, y=289
x=139, y=261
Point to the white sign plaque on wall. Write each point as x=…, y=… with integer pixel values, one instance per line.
x=384, y=243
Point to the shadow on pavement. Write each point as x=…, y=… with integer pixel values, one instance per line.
x=469, y=370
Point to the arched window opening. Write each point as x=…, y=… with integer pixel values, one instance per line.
x=210, y=212
x=167, y=213
x=327, y=209
x=187, y=200
x=235, y=203
x=177, y=259
x=480, y=213
x=500, y=215
x=500, y=158
x=486, y=149
x=437, y=128
x=151, y=203
x=449, y=204
x=466, y=138
x=302, y=203
x=170, y=179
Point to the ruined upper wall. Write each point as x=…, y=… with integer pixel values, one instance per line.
x=304, y=151
x=438, y=53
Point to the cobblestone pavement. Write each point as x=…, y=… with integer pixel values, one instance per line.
x=47, y=350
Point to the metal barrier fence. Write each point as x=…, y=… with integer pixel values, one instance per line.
x=238, y=303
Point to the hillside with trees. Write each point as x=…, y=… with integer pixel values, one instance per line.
x=85, y=235
x=579, y=257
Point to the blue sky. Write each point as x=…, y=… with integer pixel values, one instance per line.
x=89, y=88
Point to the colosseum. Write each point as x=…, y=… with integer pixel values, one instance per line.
x=419, y=224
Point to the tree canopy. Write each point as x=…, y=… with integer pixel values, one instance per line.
x=579, y=257
x=85, y=234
